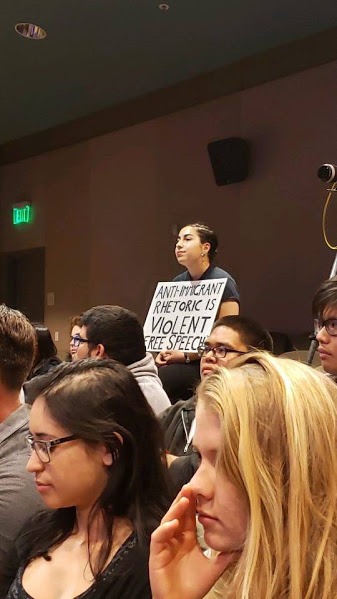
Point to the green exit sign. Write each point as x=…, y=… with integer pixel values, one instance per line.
x=22, y=213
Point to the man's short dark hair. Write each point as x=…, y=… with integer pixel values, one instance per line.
x=17, y=347
x=325, y=297
x=251, y=333
x=118, y=329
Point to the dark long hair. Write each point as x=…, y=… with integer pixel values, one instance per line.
x=46, y=347
x=94, y=399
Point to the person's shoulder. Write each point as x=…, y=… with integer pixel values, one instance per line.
x=18, y=420
x=13, y=434
x=31, y=388
x=182, y=277
x=231, y=291
x=215, y=272
x=170, y=413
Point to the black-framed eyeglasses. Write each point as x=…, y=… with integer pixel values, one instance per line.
x=330, y=325
x=43, y=448
x=219, y=351
x=76, y=340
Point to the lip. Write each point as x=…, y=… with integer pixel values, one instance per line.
x=207, y=370
x=205, y=519
x=179, y=253
x=42, y=487
x=323, y=352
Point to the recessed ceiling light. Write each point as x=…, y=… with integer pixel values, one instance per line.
x=33, y=32
x=164, y=6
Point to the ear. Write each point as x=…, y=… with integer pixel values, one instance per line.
x=108, y=457
x=99, y=351
x=206, y=247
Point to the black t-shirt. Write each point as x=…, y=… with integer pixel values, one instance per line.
x=125, y=577
x=231, y=292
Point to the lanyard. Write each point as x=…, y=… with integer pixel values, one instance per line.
x=190, y=436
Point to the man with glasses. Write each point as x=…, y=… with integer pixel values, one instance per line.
x=230, y=337
x=324, y=308
x=18, y=497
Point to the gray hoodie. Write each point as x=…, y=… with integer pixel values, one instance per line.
x=146, y=374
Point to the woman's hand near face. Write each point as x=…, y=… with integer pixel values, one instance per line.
x=178, y=568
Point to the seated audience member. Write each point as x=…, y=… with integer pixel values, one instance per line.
x=75, y=327
x=265, y=490
x=230, y=337
x=114, y=332
x=96, y=456
x=324, y=308
x=18, y=496
x=46, y=352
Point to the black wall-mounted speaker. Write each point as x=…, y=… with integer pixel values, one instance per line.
x=230, y=160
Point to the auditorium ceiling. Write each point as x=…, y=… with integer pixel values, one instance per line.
x=99, y=54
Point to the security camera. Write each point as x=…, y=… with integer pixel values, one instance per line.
x=327, y=173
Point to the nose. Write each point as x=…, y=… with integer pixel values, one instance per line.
x=322, y=336
x=34, y=464
x=209, y=356
x=202, y=485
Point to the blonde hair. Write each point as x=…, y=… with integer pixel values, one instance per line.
x=279, y=424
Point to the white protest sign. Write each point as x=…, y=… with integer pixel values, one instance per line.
x=181, y=314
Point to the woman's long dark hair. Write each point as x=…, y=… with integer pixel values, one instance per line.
x=94, y=399
x=46, y=347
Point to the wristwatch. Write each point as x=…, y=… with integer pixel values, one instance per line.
x=187, y=358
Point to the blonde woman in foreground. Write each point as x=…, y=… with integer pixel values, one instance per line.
x=265, y=490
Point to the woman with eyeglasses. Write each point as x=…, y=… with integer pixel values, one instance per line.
x=195, y=250
x=265, y=490
x=97, y=462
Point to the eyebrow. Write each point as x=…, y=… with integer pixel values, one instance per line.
x=219, y=344
x=41, y=435
x=185, y=235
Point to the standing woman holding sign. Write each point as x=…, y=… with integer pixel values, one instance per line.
x=195, y=249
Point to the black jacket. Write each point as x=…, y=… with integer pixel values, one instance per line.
x=176, y=424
